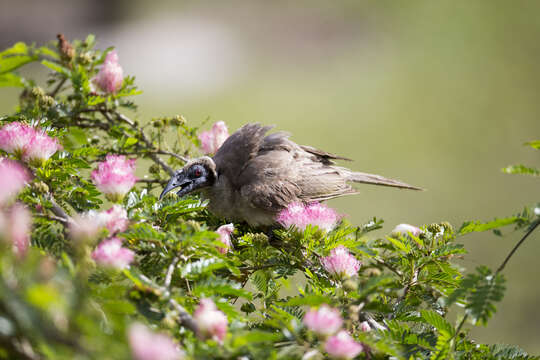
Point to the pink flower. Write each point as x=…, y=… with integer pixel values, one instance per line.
x=87, y=226
x=111, y=253
x=340, y=262
x=225, y=232
x=211, y=323
x=15, y=227
x=40, y=147
x=323, y=321
x=404, y=229
x=364, y=326
x=213, y=139
x=15, y=136
x=110, y=76
x=116, y=219
x=315, y=214
x=20, y=223
x=342, y=346
x=13, y=178
x=147, y=345
x=115, y=176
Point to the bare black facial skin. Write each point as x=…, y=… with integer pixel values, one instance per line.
x=190, y=179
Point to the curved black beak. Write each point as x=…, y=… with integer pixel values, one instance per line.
x=178, y=180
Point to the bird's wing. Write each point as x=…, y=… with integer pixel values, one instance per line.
x=283, y=172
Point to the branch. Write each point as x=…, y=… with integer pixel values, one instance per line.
x=520, y=242
x=170, y=272
x=185, y=318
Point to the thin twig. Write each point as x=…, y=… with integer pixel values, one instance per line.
x=57, y=88
x=179, y=157
x=170, y=272
x=147, y=141
x=152, y=181
x=520, y=242
x=185, y=318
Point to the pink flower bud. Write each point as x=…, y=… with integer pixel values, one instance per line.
x=213, y=139
x=324, y=321
x=40, y=148
x=314, y=214
x=341, y=263
x=147, y=345
x=364, y=326
x=404, y=229
x=116, y=219
x=342, y=346
x=211, y=323
x=115, y=176
x=225, y=232
x=13, y=178
x=14, y=137
x=110, y=76
x=111, y=253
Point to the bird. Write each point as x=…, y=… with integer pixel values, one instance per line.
x=253, y=176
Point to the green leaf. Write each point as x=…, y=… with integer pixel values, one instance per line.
x=11, y=79
x=307, y=300
x=399, y=244
x=130, y=141
x=521, y=169
x=438, y=322
x=15, y=57
x=476, y=226
x=534, y=144
x=55, y=67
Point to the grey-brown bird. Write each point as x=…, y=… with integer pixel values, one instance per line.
x=253, y=176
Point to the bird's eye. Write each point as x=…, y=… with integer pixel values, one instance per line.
x=198, y=172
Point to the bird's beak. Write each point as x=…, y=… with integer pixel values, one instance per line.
x=178, y=180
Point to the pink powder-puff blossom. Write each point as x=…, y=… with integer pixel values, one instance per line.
x=40, y=147
x=115, y=219
x=115, y=176
x=211, y=140
x=20, y=224
x=111, y=75
x=315, y=214
x=15, y=136
x=341, y=263
x=225, y=232
x=147, y=345
x=342, y=346
x=323, y=321
x=111, y=253
x=404, y=229
x=13, y=178
x=211, y=323
x=15, y=226
x=86, y=227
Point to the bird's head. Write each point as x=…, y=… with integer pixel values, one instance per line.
x=196, y=174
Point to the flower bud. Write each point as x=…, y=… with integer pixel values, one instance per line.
x=111, y=75
x=110, y=253
x=225, y=232
x=213, y=139
x=211, y=323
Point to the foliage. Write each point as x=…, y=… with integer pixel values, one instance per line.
x=56, y=303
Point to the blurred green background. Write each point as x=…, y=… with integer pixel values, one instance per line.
x=440, y=94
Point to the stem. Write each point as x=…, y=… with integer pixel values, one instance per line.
x=185, y=319
x=520, y=242
x=57, y=88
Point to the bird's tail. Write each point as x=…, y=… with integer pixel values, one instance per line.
x=373, y=179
